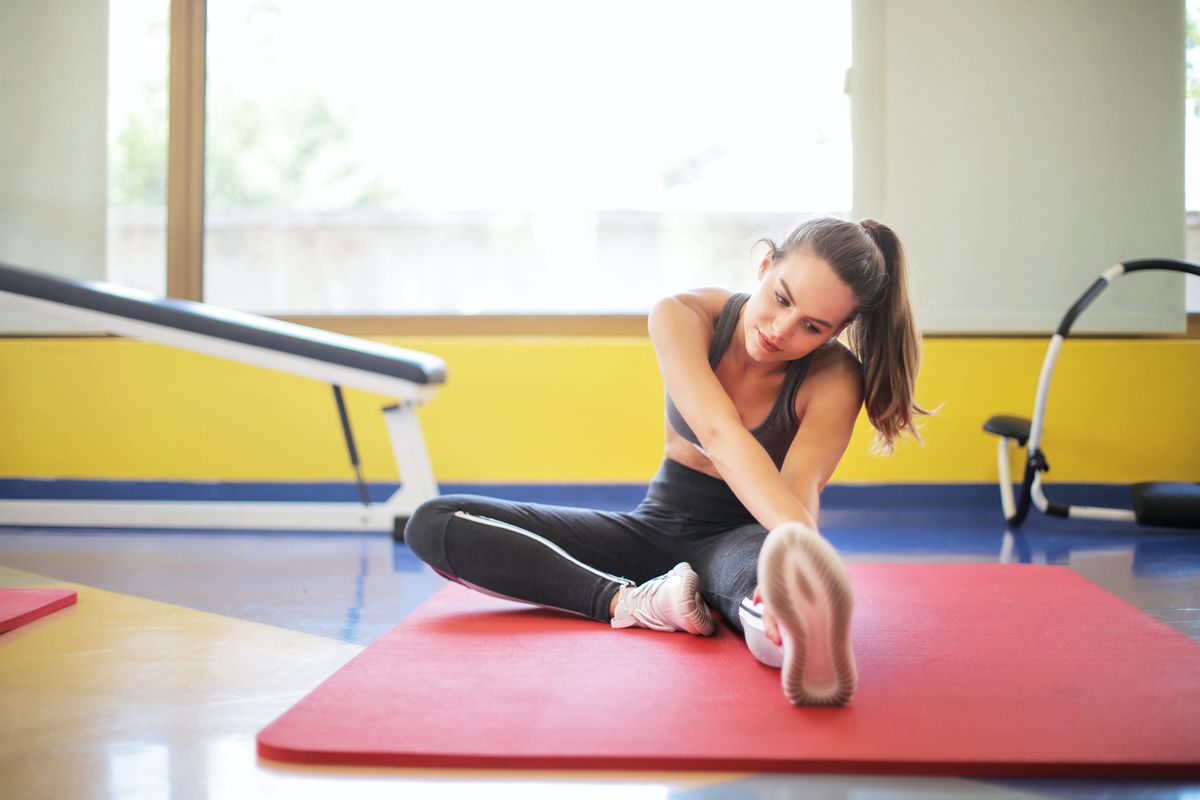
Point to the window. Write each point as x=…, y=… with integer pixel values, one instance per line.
x=1192, y=150
x=525, y=157
x=138, y=52
x=460, y=157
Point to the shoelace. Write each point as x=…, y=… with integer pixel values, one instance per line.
x=643, y=605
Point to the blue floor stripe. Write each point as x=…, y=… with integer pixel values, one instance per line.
x=611, y=496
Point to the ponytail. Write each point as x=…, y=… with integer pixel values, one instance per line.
x=886, y=341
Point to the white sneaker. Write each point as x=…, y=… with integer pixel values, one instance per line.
x=805, y=586
x=669, y=602
x=760, y=646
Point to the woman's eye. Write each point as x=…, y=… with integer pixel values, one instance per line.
x=781, y=299
x=811, y=328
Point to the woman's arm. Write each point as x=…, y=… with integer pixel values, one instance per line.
x=834, y=394
x=680, y=328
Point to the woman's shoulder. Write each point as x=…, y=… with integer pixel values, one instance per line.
x=835, y=363
x=708, y=301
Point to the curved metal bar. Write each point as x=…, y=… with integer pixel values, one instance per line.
x=1068, y=320
x=1031, y=490
x=1043, y=393
x=1166, y=264
x=1064, y=327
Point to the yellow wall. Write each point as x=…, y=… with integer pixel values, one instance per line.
x=559, y=410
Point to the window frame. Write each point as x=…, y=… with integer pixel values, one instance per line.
x=185, y=224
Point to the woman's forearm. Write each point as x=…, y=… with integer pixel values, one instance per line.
x=749, y=471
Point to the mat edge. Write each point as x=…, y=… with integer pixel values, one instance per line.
x=31, y=616
x=942, y=769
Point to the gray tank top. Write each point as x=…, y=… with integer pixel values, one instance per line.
x=776, y=433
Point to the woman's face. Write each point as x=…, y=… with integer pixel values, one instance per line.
x=799, y=305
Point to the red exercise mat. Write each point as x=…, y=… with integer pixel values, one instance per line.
x=21, y=606
x=964, y=669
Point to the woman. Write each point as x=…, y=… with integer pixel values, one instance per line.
x=761, y=403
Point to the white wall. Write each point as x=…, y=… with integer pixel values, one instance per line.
x=1020, y=148
x=53, y=175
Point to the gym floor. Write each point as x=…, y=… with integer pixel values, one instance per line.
x=183, y=645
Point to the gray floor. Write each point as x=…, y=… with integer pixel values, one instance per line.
x=354, y=588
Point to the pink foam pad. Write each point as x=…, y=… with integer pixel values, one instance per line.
x=21, y=606
x=964, y=669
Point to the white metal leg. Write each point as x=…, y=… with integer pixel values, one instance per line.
x=417, y=483
x=1006, y=490
x=1093, y=512
x=1038, y=495
x=1081, y=512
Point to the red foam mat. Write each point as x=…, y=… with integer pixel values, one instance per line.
x=21, y=606
x=965, y=669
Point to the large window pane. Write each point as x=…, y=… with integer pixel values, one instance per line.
x=138, y=58
x=1192, y=150
x=542, y=157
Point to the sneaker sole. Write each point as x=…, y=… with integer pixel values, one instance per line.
x=695, y=612
x=804, y=584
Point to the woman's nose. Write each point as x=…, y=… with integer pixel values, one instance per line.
x=784, y=325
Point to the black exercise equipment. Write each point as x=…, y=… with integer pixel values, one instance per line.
x=1165, y=504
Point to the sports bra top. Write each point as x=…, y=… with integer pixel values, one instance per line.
x=778, y=430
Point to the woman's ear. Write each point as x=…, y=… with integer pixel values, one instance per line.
x=839, y=331
x=764, y=266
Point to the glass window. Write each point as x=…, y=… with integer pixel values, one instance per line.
x=533, y=156
x=1192, y=150
x=138, y=62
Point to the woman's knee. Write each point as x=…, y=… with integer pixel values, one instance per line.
x=425, y=532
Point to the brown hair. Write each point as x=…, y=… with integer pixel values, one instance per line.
x=867, y=256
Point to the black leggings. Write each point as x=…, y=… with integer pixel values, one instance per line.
x=575, y=559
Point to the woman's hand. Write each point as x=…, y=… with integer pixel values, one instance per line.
x=768, y=619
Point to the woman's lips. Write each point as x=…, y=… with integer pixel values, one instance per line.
x=766, y=344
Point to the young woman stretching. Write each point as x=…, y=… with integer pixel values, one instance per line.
x=761, y=402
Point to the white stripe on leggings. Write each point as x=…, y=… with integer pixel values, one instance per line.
x=495, y=523
x=490, y=593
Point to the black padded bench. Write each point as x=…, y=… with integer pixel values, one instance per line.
x=410, y=377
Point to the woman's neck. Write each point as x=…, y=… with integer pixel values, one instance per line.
x=742, y=365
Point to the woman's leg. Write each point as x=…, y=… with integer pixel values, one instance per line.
x=571, y=559
x=727, y=564
x=804, y=587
